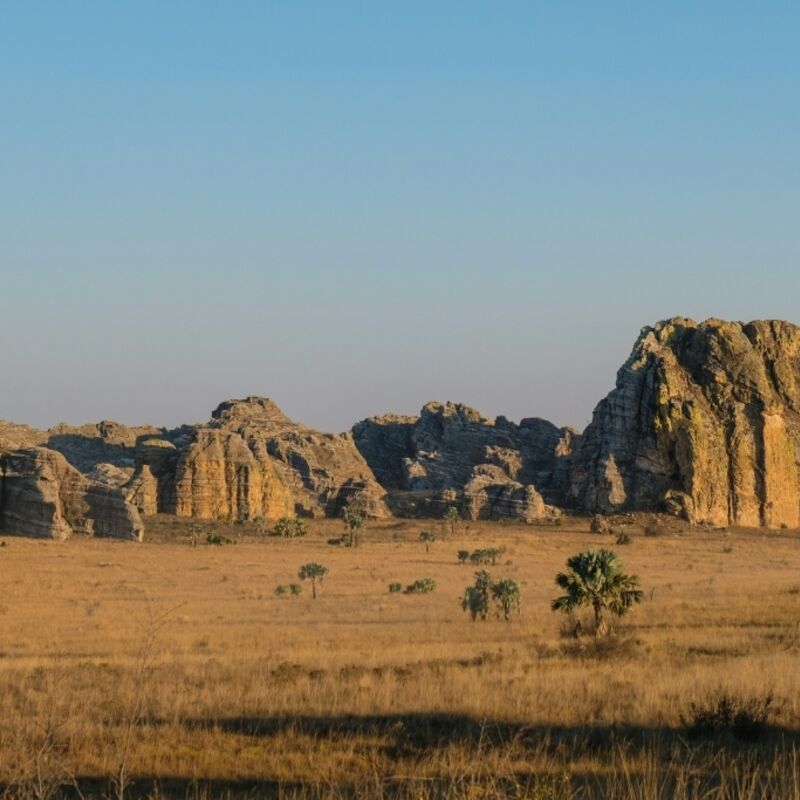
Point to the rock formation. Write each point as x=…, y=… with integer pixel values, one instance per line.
x=42, y=495
x=704, y=422
x=252, y=461
x=488, y=468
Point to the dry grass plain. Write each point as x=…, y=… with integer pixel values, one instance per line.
x=162, y=669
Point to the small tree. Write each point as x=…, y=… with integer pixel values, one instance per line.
x=312, y=572
x=506, y=596
x=353, y=522
x=463, y=555
x=486, y=555
x=479, y=557
x=428, y=538
x=494, y=553
x=451, y=517
x=595, y=578
x=476, y=598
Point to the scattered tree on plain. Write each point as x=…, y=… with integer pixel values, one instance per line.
x=506, y=596
x=452, y=517
x=427, y=538
x=476, y=598
x=595, y=578
x=354, y=522
x=312, y=572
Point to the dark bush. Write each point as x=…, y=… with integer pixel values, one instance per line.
x=746, y=719
x=421, y=586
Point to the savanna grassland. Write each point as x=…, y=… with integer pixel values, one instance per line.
x=166, y=669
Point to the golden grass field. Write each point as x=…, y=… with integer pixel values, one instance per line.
x=176, y=671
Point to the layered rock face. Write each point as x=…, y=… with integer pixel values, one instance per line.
x=42, y=495
x=249, y=461
x=489, y=468
x=704, y=422
x=252, y=461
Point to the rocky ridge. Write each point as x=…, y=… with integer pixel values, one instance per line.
x=704, y=423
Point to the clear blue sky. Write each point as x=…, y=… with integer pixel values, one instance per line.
x=357, y=207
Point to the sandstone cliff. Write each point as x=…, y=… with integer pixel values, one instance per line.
x=252, y=461
x=42, y=495
x=704, y=421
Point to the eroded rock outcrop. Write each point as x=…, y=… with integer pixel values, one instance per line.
x=252, y=461
x=488, y=468
x=42, y=495
x=704, y=422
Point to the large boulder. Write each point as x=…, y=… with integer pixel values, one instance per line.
x=490, y=494
x=704, y=422
x=42, y=495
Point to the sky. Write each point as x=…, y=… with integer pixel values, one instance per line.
x=357, y=207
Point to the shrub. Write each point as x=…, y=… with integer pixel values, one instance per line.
x=339, y=540
x=623, y=537
x=395, y=587
x=486, y=555
x=288, y=528
x=463, y=555
x=421, y=586
x=746, y=719
x=212, y=537
x=281, y=590
x=295, y=589
x=651, y=531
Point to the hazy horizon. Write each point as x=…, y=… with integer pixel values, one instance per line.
x=354, y=209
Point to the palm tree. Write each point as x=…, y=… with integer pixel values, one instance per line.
x=505, y=593
x=476, y=598
x=313, y=572
x=596, y=578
